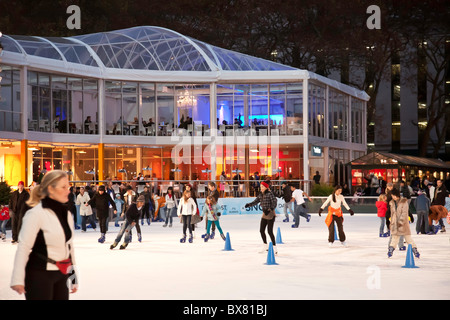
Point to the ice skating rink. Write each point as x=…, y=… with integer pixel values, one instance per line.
x=162, y=268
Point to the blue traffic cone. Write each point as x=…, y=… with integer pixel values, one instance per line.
x=409, y=263
x=278, y=239
x=271, y=256
x=228, y=243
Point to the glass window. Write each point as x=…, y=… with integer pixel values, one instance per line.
x=59, y=105
x=10, y=109
x=148, y=108
x=113, y=105
x=75, y=105
x=166, y=106
x=277, y=105
x=294, y=108
x=90, y=106
x=130, y=108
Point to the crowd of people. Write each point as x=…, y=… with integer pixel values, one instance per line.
x=132, y=207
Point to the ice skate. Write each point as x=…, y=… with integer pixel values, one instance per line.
x=206, y=237
x=330, y=244
x=123, y=246
x=223, y=236
x=443, y=229
x=164, y=225
x=212, y=235
x=286, y=220
x=3, y=236
x=264, y=248
x=183, y=239
x=309, y=218
x=416, y=253
x=402, y=248
x=390, y=252
x=114, y=245
x=139, y=237
x=102, y=238
x=343, y=243
x=191, y=238
x=170, y=225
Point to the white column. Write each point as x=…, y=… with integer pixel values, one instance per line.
x=24, y=100
x=101, y=109
x=306, y=173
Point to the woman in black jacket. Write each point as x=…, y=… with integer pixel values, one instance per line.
x=101, y=201
x=268, y=204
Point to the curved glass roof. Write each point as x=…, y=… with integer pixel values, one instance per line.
x=139, y=48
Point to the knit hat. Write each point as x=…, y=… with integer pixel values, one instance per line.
x=21, y=183
x=140, y=199
x=265, y=184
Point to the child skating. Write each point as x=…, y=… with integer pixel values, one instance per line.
x=382, y=206
x=212, y=211
x=186, y=210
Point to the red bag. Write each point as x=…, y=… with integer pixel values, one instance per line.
x=4, y=214
x=64, y=265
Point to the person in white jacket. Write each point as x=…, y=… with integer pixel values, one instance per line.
x=85, y=211
x=186, y=209
x=45, y=253
x=170, y=206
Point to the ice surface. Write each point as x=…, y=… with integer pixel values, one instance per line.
x=162, y=268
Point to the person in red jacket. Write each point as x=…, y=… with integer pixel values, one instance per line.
x=381, y=205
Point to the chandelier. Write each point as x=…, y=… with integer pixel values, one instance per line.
x=186, y=100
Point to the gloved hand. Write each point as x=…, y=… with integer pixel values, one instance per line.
x=351, y=212
x=218, y=214
x=247, y=205
x=320, y=211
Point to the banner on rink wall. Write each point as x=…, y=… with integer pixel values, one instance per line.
x=231, y=206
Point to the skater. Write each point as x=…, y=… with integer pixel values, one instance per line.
x=286, y=194
x=129, y=198
x=399, y=224
x=381, y=205
x=101, y=201
x=119, y=205
x=212, y=191
x=186, y=210
x=268, y=204
x=440, y=193
x=299, y=205
x=336, y=201
x=17, y=207
x=212, y=211
x=45, y=251
x=170, y=207
x=147, y=205
x=422, y=205
x=85, y=211
x=132, y=215
x=4, y=218
x=196, y=217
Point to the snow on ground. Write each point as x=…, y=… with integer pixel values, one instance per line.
x=162, y=268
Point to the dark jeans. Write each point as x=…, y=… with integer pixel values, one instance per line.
x=46, y=285
x=102, y=222
x=269, y=224
x=16, y=223
x=91, y=220
x=339, y=223
x=187, y=223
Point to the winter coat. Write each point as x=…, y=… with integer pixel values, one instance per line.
x=133, y=213
x=42, y=235
x=268, y=204
x=17, y=201
x=381, y=208
x=101, y=203
x=81, y=201
x=439, y=196
x=399, y=224
x=187, y=207
x=206, y=211
x=422, y=203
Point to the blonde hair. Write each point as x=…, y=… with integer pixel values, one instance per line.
x=41, y=191
x=211, y=199
x=185, y=195
x=382, y=197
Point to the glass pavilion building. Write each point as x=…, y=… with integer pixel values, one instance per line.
x=150, y=100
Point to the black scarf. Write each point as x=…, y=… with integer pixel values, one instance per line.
x=61, y=211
